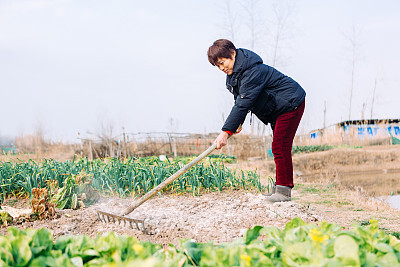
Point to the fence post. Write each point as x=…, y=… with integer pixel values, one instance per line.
x=170, y=142
x=174, y=140
x=119, y=149
x=128, y=148
x=110, y=143
x=124, y=147
x=90, y=150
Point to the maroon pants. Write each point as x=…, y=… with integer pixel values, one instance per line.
x=284, y=130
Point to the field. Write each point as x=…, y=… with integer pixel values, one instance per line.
x=217, y=201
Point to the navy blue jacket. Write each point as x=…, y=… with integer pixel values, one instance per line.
x=261, y=89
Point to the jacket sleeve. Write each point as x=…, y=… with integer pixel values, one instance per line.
x=249, y=90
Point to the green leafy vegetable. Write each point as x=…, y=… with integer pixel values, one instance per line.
x=298, y=244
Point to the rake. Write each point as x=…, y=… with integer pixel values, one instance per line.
x=140, y=225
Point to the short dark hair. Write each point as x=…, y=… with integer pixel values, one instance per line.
x=221, y=48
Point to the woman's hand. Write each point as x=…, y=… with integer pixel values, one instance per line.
x=221, y=140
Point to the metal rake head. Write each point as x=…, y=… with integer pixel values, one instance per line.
x=108, y=218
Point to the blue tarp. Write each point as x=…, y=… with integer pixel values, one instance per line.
x=8, y=149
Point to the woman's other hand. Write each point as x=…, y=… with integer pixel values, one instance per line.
x=239, y=129
x=221, y=140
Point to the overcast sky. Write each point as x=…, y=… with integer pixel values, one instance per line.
x=69, y=66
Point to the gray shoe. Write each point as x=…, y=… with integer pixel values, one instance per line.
x=282, y=193
x=270, y=193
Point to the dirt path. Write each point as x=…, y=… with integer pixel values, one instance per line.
x=346, y=207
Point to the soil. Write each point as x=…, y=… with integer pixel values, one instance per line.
x=225, y=216
x=217, y=216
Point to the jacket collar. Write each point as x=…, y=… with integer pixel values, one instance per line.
x=244, y=59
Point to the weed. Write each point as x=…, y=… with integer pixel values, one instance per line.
x=345, y=203
x=331, y=186
x=12, y=202
x=324, y=202
x=388, y=232
x=364, y=222
x=395, y=234
x=311, y=190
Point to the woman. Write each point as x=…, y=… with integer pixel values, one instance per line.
x=272, y=96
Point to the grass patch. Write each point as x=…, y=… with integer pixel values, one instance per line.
x=299, y=187
x=344, y=203
x=310, y=149
x=315, y=188
x=316, y=148
x=324, y=202
x=311, y=190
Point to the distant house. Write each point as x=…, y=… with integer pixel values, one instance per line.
x=360, y=129
x=372, y=128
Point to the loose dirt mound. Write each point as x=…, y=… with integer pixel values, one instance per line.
x=218, y=217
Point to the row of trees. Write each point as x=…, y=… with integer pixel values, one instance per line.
x=273, y=36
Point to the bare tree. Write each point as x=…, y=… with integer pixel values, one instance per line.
x=173, y=125
x=280, y=32
x=229, y=26
x=373, y=100
x=353, y=39
x=106, y=136
x=373, y=97
x=252, y=19
x=256, y=28
x=364, y=105
x=281, y=28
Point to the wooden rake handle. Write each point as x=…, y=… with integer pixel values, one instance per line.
x=172, y=178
